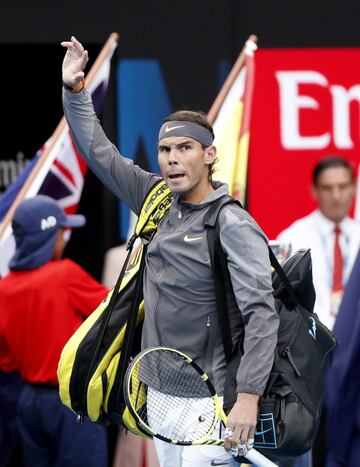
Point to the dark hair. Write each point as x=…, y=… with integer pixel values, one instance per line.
x=198, y=117
x=331, y=162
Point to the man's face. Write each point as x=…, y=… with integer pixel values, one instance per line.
x=334, y=192
x=184, y=165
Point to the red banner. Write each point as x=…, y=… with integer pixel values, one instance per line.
x=305, y=106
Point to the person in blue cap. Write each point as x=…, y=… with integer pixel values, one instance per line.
x=43, y=300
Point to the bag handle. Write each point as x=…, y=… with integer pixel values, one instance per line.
x=293, y=300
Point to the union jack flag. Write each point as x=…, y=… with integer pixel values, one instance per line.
x=65, y=179
x=62, y=172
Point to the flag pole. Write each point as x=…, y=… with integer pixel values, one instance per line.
x=218, y=102
x=110, y=44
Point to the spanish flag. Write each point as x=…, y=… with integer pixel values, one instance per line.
x=230, y=117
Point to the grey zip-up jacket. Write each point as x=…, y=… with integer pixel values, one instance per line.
x=180, y=304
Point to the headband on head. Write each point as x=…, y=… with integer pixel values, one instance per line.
x=184, y=128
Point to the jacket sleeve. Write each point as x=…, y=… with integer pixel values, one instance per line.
x=127, y=181
x=246, y=249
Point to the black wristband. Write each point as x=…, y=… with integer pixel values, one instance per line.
x=67, y=87
x=77, y=88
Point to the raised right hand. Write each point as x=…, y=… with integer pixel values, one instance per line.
x=74, y=62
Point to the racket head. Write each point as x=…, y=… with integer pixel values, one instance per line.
x=170, y=397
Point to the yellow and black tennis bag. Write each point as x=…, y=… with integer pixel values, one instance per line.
x=91, y=369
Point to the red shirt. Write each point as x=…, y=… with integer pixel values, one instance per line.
x=40, y=309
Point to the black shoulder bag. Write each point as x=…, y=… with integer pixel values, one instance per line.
x=290, y=407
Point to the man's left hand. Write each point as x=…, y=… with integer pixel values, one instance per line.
x=242, y=421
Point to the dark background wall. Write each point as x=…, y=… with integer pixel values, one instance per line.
x=188, y=38
x=155, y=27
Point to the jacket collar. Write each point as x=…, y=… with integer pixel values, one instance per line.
x=220, y=189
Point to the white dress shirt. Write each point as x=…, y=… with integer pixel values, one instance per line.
x=316, y=231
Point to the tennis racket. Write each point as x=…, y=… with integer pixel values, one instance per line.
x=171, y=398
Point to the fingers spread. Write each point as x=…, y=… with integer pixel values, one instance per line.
x=84, y=58
x=66, y=44
x=78, y=46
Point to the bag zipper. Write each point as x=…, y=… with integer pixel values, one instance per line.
x=292, y=361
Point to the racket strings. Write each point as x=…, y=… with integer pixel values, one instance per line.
x=179, y=403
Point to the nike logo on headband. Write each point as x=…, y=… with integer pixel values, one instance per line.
x=167, y=128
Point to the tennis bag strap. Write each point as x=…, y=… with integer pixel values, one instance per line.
x=106, y=317
x=127, y=345
x=155, y=205
x=220, y=270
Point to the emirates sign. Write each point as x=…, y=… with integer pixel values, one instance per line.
x=306, y=106
x=292, y=102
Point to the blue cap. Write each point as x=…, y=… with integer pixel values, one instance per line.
x=35, y=223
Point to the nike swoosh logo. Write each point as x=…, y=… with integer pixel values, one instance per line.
x=170, y=128
x=258, y=433
x=219, y=463
x=191, y=239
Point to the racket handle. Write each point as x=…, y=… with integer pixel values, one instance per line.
x=258, y=459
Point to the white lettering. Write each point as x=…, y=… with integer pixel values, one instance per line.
x=10, y=169
x=291, y=103
x=8, y=172
x=341, y=114
x=48, y=223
